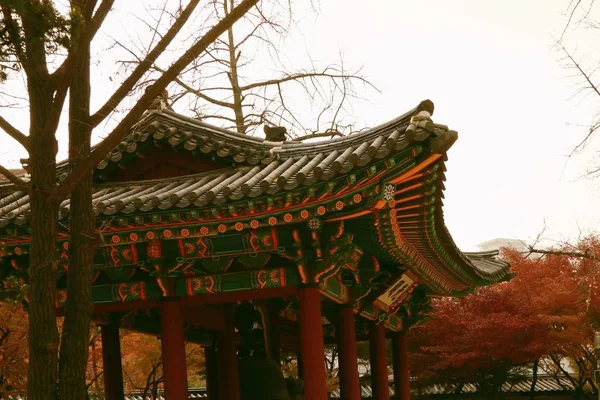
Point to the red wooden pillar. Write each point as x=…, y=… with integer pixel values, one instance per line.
x=348, y=358
x=312, y=344
x=401, y=375
x=111, y=362
x=212, y=373
x=379, y=371
x=173, y=352
x=229, y=383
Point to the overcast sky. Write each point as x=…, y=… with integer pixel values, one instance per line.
x=490, y=69
x=494, y=76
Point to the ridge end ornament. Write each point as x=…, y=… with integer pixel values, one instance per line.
x=388, y=192
x=314, y=223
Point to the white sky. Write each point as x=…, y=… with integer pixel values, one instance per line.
x=490, y=69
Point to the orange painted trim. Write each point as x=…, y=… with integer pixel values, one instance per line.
x=413, y=178
x=411, y=187
x=350, y=216
x=230, y=297
x=431, y=159
x=407, y=216
x=379, y=204
x=408, y=207
x=331, y=297
x=325, y=195
x=409, y=198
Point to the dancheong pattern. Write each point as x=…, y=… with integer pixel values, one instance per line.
x=189, y=209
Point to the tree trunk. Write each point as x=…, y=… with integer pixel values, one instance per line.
x=43, y=333
x=233, y=76
x=458, y=391
x=79, y=306
x=96, y=381
x=535, y=378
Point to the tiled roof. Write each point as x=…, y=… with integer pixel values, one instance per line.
x=18, y=172
x=194, y=394
x=489, y=265
x=351, y=150
x=410, y=227
x=544, y=384
x=262, y=167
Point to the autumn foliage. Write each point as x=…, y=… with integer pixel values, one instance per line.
x=141, y=357
x=544, y=317
x=549, y=309
x=13, y=348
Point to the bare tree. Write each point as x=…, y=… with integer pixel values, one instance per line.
x=581, y=70
x=227, y=85
x=576, y=364
x=577, y=12
x=35, y=38
x=94, y=373
x=154, y=380
x=332, y=367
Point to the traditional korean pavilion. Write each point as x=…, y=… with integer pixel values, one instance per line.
x=249, y=246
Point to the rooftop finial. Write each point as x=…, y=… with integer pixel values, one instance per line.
x=275, y=133
x=426, y=105
x=161, y=102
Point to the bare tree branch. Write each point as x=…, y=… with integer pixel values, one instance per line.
x=99, y=17
x=14, y=133
x=588, y=86
x=582, y=73
x=13, y=178
x=587, y=254
x=197, y=92
x=92, y=26
x=63, y=78
x=143, y=66
x=254, y=103
x=568, y=24
x=150, y=95
x=301, y=75
x=13, y=32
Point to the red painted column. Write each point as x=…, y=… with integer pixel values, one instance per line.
x=312, y=345
x=173, y=352
x=111, y=362
x=348, y=358
x=229, y=383
x=401, y=374
x=212, y=373
x=379, y=371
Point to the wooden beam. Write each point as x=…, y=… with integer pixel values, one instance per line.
x=242, y=295
x=126, y=306
x=121, y=307
x=204, y=317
